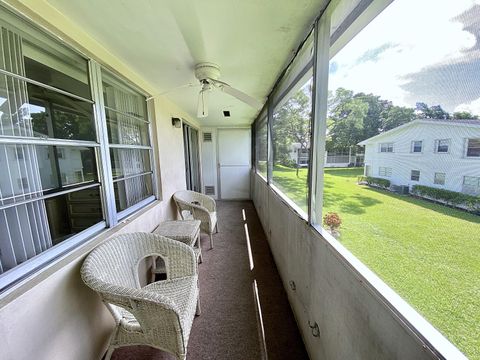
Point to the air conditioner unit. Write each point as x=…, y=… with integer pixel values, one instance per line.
x=401, y=189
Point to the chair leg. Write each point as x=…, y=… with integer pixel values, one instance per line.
x=216, y=228
x=110, y=351
x=211, y=241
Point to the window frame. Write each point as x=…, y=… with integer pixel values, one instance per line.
x=435, y=182
x=304, y=76
x=110, y=217
x=415, y=177
x=387, y=171
x=387, y=146
x=412, y=149
x=467, y=147
x=260, y=121
x=477, y=185
x=437, y=146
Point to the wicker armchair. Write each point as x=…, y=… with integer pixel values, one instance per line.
x=201, y=207
x=160, y=314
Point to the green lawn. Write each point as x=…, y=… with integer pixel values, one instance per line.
x=428, y=253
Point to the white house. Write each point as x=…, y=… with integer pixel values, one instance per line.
x=437, y=153
x=299, y=155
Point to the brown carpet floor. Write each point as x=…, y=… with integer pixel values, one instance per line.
x=230, y=326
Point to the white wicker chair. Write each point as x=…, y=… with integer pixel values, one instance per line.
x=202, y=207
x=160, y=314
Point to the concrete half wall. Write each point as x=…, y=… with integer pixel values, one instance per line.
x=354, y=322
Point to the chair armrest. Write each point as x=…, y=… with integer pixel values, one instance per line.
x=209, y=203
x=183, y=261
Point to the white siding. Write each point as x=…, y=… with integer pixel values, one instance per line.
x=454, y=164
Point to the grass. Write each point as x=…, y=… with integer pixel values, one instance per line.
x=426, y=252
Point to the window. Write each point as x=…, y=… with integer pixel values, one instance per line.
x=19, y=153
x=385, y=171
x=39, y=211
x=61, y=153
x=415, y=175
x=473, y=147
x=51, y=189
x=290, y=132
x=261, y=146
x=442, y=146
x=439, y=178
x=129, y=143
x=471, y=185
x=410, y=80
x=386, y=147
x=417, y=146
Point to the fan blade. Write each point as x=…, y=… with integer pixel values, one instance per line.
x=202, y=107
x=189, y=85
x=240, y=95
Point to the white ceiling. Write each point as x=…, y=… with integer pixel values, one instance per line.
x=162, y=40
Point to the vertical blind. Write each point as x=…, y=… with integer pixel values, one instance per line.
x=23, y=228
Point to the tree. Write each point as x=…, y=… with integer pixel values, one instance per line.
x=423, y=111
x=377, y=108
x=292, y=125
x=396, y=116
x=464, y=115
x=346, y=119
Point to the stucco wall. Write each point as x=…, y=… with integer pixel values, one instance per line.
x=455, y=165
x=333, y=289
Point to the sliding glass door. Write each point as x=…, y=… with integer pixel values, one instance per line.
x=192, y=160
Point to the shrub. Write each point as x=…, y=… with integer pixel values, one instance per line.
x=332, y=220
x=453, y=198
x=383, y=183
x=289, y=163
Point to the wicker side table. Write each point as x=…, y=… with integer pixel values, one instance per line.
x=186, y=231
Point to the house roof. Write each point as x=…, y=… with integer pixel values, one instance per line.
x=430, y=122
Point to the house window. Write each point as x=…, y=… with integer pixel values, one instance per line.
x=417, y=146
x=439, y=178
x=386, y=147
x=442, y=146
x=60, y=153
x=471, y=185
x=129, y=143
x=19, y=153
x=385, y=171
x=415, y=175
x=55, y=105
x=473, y=147
x=60, y=83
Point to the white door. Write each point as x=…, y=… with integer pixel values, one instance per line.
x=234, y=163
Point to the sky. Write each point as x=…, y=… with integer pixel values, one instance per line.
x=416, y=51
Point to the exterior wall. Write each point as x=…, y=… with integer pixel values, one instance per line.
x=402, y=161
x=333, y=289
x=52, y=314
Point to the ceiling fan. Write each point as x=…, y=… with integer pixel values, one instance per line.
x=208, y=74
